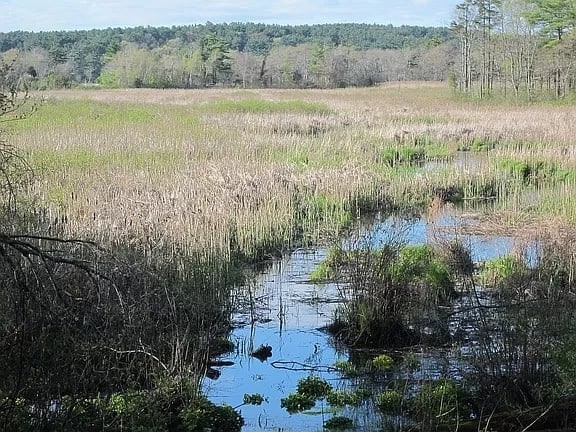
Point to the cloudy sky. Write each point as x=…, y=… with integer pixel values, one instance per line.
x=35, y=15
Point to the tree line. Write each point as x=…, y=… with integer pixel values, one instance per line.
x=521, y=48
x=245, y=54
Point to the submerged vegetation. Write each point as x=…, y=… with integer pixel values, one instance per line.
x=170, y=196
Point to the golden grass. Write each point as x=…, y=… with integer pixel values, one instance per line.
x=187, y=171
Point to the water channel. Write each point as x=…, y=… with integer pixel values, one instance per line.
x=284, y=310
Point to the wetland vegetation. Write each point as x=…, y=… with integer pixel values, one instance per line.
x=127, y=252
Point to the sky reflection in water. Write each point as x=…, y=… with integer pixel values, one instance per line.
x=288, y=313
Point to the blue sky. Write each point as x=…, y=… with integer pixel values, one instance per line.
x=36, y=15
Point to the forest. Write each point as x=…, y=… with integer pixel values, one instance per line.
x=245, y=54
x=519, y=47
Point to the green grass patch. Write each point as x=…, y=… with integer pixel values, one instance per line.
x=480, y=144
x=416, y=265
x=438, y=151
x=497, y=270
x=328, y=267
x=414, y=152
x=83, y=159
x=322, y=273
x=259, y=106
x=332, y=210
x=87, y=113
x=393, y=156
x=536, y=171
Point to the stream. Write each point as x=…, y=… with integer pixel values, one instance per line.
x=282, y=309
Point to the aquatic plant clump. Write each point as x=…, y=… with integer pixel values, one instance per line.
x=441, y=402
x=389, y=401
x=309, y=390
x=314, y=386
x=339, y=423
x=382, y=286
x=382, y=362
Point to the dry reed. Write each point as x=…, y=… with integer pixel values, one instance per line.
x=198, y=177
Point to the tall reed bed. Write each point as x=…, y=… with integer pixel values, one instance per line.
x=237, y=173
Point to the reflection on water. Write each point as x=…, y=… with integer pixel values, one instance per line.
x=284, y=310
x=444, y=226
x=287, y=314
x=466, y=161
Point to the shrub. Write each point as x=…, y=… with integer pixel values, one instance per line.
x=385, y=285
x=204, y=415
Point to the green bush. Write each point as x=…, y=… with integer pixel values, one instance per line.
x=108, y=79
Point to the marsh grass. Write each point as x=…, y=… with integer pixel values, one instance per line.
x=249, y=173
x=87, y=114
x=260, y=106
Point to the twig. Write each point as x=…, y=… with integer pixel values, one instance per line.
x=546, y=411
x=140, y=351
x=297, y=366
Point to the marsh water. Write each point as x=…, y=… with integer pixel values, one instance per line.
x=283, y=309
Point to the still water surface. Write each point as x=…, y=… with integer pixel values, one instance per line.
x=284, y=310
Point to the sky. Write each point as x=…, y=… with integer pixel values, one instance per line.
x=39, y=15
